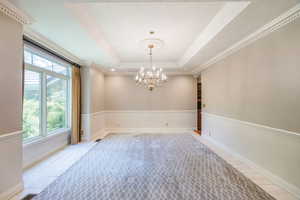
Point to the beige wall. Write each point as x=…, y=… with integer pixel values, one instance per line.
x=127, y=106
x=10, y=106
x=97, y=90
x=121, y=93
x=92, y=89
x=92, y=120
x=85, y=90
x=10, y=75
x=260, y=83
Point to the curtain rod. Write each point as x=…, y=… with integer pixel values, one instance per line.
x=37, y=44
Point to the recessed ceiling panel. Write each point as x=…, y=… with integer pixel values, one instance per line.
x=123, y=25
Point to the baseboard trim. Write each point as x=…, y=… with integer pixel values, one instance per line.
x=149, y=111
x=99, y=134
x=106, y=131
x=148, y=130
x=12, y=191
x=275, y=179
x=44, y=157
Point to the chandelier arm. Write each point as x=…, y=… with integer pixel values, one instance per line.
x=151, y=77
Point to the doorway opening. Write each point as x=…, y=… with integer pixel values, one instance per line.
x=199, y=105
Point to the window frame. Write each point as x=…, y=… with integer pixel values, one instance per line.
x=31, y=139
x=43, y=100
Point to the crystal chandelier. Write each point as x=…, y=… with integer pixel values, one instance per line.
x=151, y=77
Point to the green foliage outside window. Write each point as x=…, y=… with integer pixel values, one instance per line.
x=56, y=103
x=31, y=118
x=55, y=100
x=31, y=104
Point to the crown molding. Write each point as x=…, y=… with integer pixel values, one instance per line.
x=279, y=22
x=51, y=45
x=137, y=65
x=117, y=73
x=131, y=68
x=13, y=12
x=224, y=16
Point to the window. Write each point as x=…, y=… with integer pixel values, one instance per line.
x=56, y=103
x=46, y=95
x=32, y=104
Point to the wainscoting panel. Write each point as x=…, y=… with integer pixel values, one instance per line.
x=10, y=164
x=150, y=121
x=274, y=152
x=38, y=150
x=93, y=126
x=98, y=125
x=86, y=127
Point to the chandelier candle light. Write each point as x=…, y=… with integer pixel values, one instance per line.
x=151, y=77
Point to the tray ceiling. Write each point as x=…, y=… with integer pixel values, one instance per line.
x=107, y=33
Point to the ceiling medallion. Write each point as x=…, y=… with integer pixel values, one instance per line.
x=152, y=76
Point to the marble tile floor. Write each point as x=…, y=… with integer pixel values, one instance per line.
x=45, y=172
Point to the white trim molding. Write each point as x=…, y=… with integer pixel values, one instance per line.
x=227, y=13
x=93, y=126
x=11, y=11
x=11, y=164
x=85, y=127
x=272, y=177
x=10, y=135
x=275, y=130
x=148, y=130
x=149, y=111
x=279, y=22
x=51, y=45
x=100, y=134
x=271, y=151
x=12, y=191
x=40, y=149
x=98, y=125
x=150, y=119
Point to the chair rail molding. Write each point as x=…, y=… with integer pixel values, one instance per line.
x=277, y=23
x=275, y=130
x=15, y=13
x=225, y=132
x=10, y=135
x=266, y=173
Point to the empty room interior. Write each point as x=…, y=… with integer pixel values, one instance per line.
x=150, y=100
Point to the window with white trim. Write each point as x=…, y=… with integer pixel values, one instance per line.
x=47, y=102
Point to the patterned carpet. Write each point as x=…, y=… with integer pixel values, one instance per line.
x=152, y=167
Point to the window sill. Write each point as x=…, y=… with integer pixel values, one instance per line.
x=40, y=140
